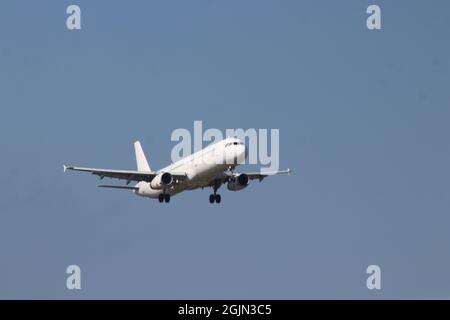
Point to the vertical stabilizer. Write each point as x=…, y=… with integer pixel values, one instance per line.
x=141, y=161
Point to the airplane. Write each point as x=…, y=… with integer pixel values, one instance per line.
x=209, y=167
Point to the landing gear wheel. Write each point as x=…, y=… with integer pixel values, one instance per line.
x=215, y=198
x=161, y=197
x=167, y=197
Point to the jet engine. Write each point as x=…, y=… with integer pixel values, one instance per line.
x=161, y=181
x=238, y=182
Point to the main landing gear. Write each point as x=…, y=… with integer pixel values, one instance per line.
x=215, y=197
x=164, y=197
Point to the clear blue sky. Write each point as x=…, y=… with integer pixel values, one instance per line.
x=364, y=125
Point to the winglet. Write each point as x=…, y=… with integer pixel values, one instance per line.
x=67, y=168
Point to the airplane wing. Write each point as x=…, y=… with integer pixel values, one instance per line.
x=118, y=187
x=262, y=175
x=228, y=176
x=124, y=174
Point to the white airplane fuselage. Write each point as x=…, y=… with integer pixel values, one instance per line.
x=201, y=168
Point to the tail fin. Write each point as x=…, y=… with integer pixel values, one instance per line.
x=142, y=164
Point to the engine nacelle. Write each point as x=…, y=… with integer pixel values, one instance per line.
x=238, y=183
x=161, y=181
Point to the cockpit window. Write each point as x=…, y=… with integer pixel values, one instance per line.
x=235, y=143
